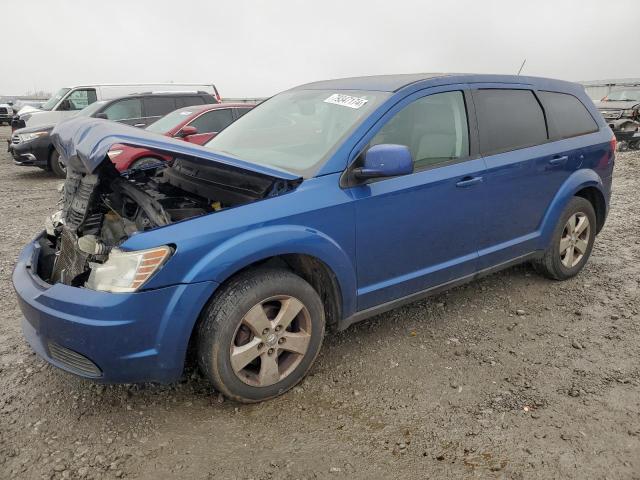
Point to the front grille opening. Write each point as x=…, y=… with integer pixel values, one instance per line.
x=74, y=361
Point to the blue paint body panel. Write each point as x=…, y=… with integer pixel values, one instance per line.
x=383, y=240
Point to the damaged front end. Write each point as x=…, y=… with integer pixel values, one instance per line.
x=101, y=208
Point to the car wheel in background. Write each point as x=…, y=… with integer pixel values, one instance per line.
x=56, y=165
x=260, y=334
x=572, y=241
x=145, y=162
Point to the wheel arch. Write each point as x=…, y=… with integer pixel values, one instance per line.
x=584, y=183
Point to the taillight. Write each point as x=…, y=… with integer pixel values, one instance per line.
x=614, y=144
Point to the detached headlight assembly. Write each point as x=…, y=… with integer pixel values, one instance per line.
x=27, y=137
x=127, y=271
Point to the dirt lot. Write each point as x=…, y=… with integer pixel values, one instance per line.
x=513, y=376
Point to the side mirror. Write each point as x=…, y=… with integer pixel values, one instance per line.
x=187, y=130
x=10, y=103
x=101, y=115
x=385, y=160
x=65, y=105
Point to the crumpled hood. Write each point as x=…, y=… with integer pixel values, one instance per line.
x=83, y=144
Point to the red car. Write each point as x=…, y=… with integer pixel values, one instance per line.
x=196, y=124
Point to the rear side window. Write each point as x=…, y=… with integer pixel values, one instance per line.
x=159, y=106
x=509, y=120
x=189, y=101
x=568, y=117
x=213, y=121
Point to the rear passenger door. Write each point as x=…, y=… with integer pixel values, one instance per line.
x=524, y=171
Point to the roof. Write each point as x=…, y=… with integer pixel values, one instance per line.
x=393, y=83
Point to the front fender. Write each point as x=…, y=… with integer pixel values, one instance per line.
x=255, y=245
x=577, y=181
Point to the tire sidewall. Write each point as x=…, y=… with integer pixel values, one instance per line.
x=576, y=205
x=224, y=316
x=54, y=165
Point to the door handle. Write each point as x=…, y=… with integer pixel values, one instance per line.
x=139, y=124
x=468, y=181
x=558, y=160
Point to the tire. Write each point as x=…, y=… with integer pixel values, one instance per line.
x=56, y=166
x=145, y=162
x=559, y=265
x=242, y=318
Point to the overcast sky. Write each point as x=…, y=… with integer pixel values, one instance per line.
x=251, y=48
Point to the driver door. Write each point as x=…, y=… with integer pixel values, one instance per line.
x=418, y=231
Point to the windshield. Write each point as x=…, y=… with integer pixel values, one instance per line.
x=624, y=95
x=49, y=104
x=169, y=121
x=91, y=109
x=296, y=130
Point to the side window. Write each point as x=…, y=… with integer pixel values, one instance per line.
x=241, y=111
x=568, y=117
x=124, y=110
x=79, y=99
x=159, y=106
x=434, y=128
x=189, y=101
x=509, y=120
x=213, y=121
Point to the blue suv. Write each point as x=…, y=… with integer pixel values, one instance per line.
x=327, y=204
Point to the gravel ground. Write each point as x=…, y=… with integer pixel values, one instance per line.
x=513, y=376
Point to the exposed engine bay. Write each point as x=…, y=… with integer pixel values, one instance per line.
x=100, y=210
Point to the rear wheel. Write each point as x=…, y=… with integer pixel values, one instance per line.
x=56, y=165
x=572, y=241
x=260, y=334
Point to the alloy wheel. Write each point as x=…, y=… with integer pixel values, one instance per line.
x=271, y=341
x=574, y=240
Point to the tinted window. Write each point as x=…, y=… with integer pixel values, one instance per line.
x=508, y=120
x=568, y=117
x=434, y=128
x=79, y=99
x=241, y=111
x=124, y=109
x=189, y=101
x=159, y=106
x=213, y=121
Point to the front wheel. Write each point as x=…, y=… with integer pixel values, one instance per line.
x=572, y=241
x=260, y=334
x=57, y=166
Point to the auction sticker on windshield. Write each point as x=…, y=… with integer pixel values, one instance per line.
x=346, y=100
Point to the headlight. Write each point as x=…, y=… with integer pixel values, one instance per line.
x=27, y=137
x=113, y=153
x=127, y=271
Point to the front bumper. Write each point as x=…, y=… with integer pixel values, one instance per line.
x=30, y=154
x=128, y=337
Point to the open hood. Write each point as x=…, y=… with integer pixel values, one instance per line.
x=83, y=144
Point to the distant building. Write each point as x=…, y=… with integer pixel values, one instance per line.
x=597, y=89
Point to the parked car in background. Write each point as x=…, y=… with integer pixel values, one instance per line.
x=621, y=109
x=325, y=205
x=32, y=146
x=196, y=124
x=6, y=113
x=69, y=100
x=21, y=106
